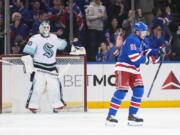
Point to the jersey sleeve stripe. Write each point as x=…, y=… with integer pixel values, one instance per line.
x=133, y=55
x=29, y=50
x=126, y=66
x=135, y=58
x=146, y=52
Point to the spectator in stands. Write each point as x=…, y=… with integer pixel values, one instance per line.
x=82, y=4
x=25, y=13
x=126, y=25
x=78, y=22
x=102, y=52
x=139, y=16
x=43, y=16
x=36, y=8
x=114, y=48
x=146, y=6
x=95, y=17
x=57, y=7
x=156, y=38
x=176, y=45
x=162, y=20
x=15, y=49
x=168, y=17
x=118, y=11
x=59, y=17
x=18, y=31
x=110, y=31
x=47, y=3
x=1, y=6
x=131, y=16
x=1, y=34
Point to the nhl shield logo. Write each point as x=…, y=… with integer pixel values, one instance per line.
x=171, y=82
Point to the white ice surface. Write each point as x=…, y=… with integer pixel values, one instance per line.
x=164, y=121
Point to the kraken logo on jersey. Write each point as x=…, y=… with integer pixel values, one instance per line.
x=48, y=50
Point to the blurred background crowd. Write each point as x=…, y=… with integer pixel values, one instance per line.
x=101, y=26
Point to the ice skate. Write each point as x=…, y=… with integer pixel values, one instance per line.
x=33, y=110
x=134, y=121
x=57, y=110
x=111, y=121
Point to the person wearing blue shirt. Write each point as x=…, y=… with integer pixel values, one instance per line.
x=19, y=7
x=127, y=72
x=156, y=39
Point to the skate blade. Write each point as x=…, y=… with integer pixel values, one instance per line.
x=135, y=124
x=110, y=124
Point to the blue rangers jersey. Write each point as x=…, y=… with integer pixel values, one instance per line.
x=133, y=53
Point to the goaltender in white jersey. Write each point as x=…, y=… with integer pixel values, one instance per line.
x=42, y=48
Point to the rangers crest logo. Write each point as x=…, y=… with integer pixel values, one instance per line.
x=133, y=46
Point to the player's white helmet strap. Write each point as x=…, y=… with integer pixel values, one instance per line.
x=44, y=29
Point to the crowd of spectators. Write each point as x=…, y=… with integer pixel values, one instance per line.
x=100, y=25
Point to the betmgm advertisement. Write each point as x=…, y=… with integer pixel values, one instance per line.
x=101, y=85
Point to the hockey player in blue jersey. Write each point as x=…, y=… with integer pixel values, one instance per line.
x=127, y=71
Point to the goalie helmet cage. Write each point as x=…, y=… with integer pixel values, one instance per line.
x=15, y=84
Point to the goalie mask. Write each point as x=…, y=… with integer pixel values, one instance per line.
x=44, y=29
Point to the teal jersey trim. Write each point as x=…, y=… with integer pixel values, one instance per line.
x=63, y=45
x=29, y=50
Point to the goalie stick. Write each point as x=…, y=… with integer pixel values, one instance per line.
x=157, y=72
x=60, y=74
x=6, y=62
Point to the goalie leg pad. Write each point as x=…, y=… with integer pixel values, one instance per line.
x=54, y=91
x=38, y=86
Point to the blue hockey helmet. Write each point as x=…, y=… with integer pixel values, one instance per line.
x=140, y=26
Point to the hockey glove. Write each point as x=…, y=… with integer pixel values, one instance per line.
x=151, y=52
x=164, y=50
x=152, y=59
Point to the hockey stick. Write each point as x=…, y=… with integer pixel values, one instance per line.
x=157, y=72
x=152, y=84
x=6, y=62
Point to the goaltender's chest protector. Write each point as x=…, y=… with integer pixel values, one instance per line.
x=44, y=49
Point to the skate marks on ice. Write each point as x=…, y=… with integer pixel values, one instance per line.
x=156, y=122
